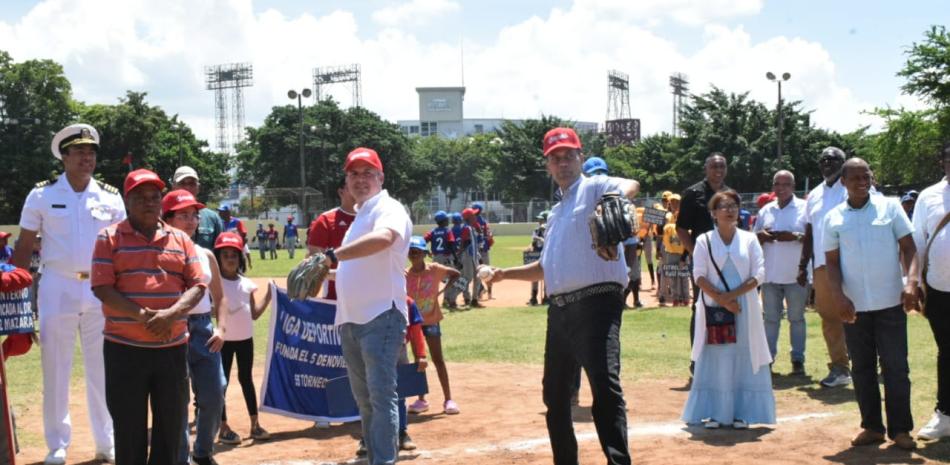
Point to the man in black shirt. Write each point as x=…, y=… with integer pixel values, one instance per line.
x=694, y=217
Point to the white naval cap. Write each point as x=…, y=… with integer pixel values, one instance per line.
x=73, y=134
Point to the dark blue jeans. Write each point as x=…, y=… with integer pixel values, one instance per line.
x=586, y=334
x=881, y=334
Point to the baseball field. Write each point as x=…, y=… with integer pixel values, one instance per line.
x=494, y=356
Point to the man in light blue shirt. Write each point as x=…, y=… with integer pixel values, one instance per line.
x=586, y=295
x=862, y=237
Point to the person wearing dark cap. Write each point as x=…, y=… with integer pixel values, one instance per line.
x=209, y=222
x=146, y=331
x=68, y=211
x=586, y=295
x=908, y=201
x=6, y=252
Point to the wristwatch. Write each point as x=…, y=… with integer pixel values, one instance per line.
x=331, y=255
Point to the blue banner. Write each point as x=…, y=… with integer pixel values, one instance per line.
x=16, y=314
x=303, y=355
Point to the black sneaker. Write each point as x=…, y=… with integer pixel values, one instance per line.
x=533, y=302
x=361, y=449
x=405, y=442
x=798, y=368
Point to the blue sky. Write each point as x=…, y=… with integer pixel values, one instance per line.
x=522, y=58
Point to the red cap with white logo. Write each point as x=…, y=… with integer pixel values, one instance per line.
x=363, y=155
x=229, y=239
x=138, y=177
x=179, y=200
x=560, y=137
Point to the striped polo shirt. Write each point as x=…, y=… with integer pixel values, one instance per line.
x=152, y=272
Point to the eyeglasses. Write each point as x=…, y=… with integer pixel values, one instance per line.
x=727, y=207
x=829, y=160
x=183, y=216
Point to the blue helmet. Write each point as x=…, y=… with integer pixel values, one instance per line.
x=441, y=216
x=595, y=165
x=456, y=217
x=417, y=242
x=478, y=206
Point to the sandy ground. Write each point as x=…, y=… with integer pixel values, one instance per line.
x=502, y=422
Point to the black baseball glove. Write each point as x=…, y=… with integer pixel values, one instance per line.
x=610, y=224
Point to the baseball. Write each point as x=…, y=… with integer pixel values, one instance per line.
x=484, y=272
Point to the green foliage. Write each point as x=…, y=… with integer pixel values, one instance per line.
x=521, y=172
x=152, y=138
x=270, y=156
x=906, y=149
x=37, y=102
x=927, y=67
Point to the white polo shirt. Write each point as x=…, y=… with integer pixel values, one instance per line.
x=781, y=258
x=932, y=204
x=369, y=286
x=821, y=200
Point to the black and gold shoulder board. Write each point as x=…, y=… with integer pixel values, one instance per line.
x=108, y=188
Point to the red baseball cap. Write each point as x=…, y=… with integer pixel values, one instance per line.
x=229, y=239
x=468, y=213
x=178, y=200
x=560, y=137
x=290, y=217
x=764, y=199
x=4, y=234
x=363, y=155
x=138, y=177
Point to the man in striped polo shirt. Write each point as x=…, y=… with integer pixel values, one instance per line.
x=147, y=276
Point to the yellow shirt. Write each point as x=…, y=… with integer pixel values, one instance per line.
x=671, y=242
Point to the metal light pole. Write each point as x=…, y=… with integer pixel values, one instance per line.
x=323, y=130
x=771, y=77
x=292, y=94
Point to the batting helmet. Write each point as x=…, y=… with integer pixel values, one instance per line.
x=456, y=217
x=478, y=207
x=595, y=165
x=441, y=216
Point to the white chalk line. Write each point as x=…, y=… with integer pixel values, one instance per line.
x=668, y=429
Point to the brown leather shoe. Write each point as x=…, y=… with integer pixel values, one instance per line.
x=867, y=437
x=905, y=441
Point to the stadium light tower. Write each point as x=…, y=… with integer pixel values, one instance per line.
x=293, y=94
x=772, y=77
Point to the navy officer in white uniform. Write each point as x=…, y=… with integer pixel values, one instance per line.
x=586, y=303
x=68, y=212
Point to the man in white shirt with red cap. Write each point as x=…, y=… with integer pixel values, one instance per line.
x=371, y=311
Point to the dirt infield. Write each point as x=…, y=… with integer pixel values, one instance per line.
x=502, y=422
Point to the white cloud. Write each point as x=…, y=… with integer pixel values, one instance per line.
x=555, y=63
x=414, y=12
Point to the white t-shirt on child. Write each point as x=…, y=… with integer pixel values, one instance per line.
x=236, y=307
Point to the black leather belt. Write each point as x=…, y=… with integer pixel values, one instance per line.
x=567, y=298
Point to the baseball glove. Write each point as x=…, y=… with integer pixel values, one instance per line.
x=610, y=224
x=306, y=279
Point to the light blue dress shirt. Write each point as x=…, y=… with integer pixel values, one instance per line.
x=867, y=238
x=568, y=260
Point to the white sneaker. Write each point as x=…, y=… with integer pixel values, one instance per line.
x=321, y=424
x=936, y=428
x=711, y=424
x=739, y=424
x=55, y=457
x=107, y=456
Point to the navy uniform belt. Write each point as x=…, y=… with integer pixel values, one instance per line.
x=568, y=298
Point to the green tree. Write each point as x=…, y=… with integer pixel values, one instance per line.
x=152, y=138
x=270, y=156
x=927, y=67
x=35, y=102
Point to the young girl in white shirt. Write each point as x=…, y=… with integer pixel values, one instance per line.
x=241, y=309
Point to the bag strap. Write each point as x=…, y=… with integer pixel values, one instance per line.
x=715, y=265
x=926, y=265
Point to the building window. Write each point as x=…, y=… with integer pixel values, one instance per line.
x=413, y=129
x=429, y=128
x=479, y=129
